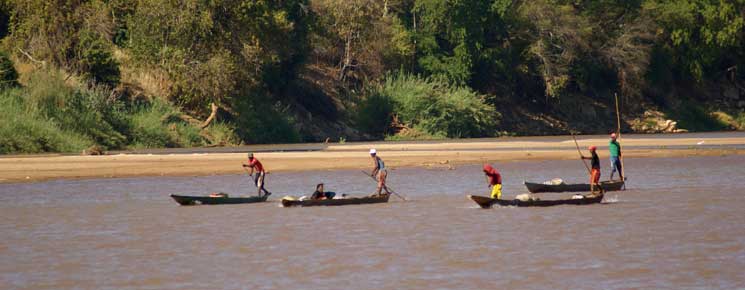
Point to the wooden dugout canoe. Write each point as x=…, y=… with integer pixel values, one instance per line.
x=487, y=202
x=337, y=201
x=577, y=187
x=195, y=200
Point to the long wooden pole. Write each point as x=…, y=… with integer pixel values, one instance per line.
x=386, y=187
x=580, y=154
x=587, y=167
x=618, y=121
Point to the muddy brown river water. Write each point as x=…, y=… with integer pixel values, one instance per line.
x=680, y=225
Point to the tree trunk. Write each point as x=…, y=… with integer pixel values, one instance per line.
x=212, y=116
x=347, y=58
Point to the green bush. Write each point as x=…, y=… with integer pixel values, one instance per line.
x=85, y=111
x=693, y=117
x=96, y=59
x=149, y=130
x=413, y=134
x=50, y=116
x=223, y=134
x=186, y=135
x=8, y=73
x=259, y=121
x=374, y=115
x=438, y=108
x=157, y=125
x=740, y=120
x=24, y=131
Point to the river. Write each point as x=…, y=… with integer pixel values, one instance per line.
x=678, y=225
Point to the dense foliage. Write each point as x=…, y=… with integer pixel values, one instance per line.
x=433, y=107
x=8, y=73
x=278, y=70
x=48, y=115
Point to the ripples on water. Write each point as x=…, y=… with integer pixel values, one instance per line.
x=678, y=226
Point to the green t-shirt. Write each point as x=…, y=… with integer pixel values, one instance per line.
x=614, y=148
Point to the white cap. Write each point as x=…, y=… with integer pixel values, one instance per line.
x=373, y=151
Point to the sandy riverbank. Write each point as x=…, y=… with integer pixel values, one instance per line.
x=354, y=156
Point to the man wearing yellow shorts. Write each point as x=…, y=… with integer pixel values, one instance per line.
x=494, y=180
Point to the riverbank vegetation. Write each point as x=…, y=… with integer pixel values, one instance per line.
x=118, y=74
x=48, y=115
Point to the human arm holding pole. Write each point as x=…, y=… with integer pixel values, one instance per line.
x=251, y=172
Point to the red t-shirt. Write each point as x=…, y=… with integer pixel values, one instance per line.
x=494, y=176
x=256, y=165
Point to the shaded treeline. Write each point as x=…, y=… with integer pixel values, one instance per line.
x=303, y=70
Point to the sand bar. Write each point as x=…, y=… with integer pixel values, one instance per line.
x=447, y=153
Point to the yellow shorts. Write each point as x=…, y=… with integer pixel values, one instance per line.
x=496, y=191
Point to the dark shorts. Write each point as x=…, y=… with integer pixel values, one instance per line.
x=259, y=179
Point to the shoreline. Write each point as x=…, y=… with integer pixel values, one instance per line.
x=315, y=156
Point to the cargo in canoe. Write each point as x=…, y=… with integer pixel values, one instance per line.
x=577, y=187
x=487, y=202
x=194, y=200
x=288, y=202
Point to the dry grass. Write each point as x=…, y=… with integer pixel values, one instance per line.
x=154, y=82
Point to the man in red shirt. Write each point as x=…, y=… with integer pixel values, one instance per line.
x=254, y=164
x=494, y=180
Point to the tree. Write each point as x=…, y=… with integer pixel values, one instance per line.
x=629, y=55
x=354, y=35
x=461, y=40
x=95, y=59
x=211, y=50
x=47, y=30
x=70, y=34
x=4, y=18
x=701, y=36
x=8, y=73
x=559, y=36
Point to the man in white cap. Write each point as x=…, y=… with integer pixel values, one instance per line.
x=379, y=172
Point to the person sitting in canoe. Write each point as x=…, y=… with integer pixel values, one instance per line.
x=615, y=156
x=254, y=164
x=595, y=172
x=493, y=180
x=379, y=172
x=320, y=194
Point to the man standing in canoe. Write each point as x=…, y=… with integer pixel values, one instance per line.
x=615, y=156
x=254, y=164
x=494, y=180
x=379, y=172
x=595, y=172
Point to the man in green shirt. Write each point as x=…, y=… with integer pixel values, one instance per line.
x=615, y=156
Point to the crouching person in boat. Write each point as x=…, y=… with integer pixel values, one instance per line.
x=595, y=171
x=494, y=180
x=379, y=172
x=255, y=165
x=321, y=194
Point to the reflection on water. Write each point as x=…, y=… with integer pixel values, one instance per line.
x=678, y=226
